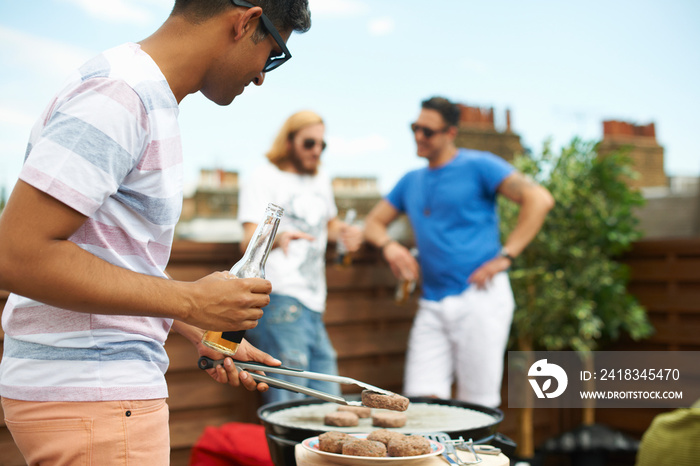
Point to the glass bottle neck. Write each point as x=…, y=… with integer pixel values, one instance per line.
x=252, y=265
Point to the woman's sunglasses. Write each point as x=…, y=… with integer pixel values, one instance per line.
x=427, y=132
x=311, y=143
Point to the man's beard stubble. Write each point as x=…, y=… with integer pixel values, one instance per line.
x=299, y=166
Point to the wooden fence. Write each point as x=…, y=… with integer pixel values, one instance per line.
x=665, y=278
x=370, y=331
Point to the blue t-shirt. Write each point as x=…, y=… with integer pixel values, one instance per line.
x=452, y=210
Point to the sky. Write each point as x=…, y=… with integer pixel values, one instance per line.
x=560, y=67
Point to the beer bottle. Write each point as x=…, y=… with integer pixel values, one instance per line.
x=251, y=265
x=344, y=258
x=405, y=288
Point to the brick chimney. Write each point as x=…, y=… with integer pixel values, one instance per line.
x=613, y=129
x=476, y=117
x=477, y=130
x=647, y=155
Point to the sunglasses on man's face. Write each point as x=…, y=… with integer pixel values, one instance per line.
x=427, y=132
x=272, y=61
x=310, y=143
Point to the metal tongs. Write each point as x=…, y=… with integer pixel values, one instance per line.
x=468, y=445
x=208, y=363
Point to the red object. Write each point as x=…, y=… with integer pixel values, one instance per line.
x=232, y=444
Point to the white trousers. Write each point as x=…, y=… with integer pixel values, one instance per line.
x=461, y=337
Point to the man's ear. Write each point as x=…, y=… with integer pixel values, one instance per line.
x=245, y=22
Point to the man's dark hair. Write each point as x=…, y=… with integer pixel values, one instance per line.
x=286, y=15
x=450, y=112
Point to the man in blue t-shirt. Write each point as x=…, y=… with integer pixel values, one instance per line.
x=464, y=315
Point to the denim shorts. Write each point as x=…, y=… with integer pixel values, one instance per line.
x=296, y=335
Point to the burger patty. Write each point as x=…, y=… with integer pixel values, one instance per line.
x=389, y=419
x=384, y=435
x=332, y=442
x=409, y=445
x=392, y=402
x=341, y=419
x=364, y=447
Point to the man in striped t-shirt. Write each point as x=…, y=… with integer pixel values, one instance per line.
x=87, y=233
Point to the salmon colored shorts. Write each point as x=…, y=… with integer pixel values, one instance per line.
x=90, y=433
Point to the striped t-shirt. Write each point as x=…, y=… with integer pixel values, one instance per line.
x=108, y=145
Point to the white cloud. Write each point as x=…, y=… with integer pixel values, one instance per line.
x=355, y=147
x=27, y=51
x=336, y=8
x=117, y=11
x=380, y=26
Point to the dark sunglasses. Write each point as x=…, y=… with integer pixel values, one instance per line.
x=311, y=143
x=272, y=62
x=427, y=132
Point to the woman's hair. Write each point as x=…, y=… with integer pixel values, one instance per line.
x=279, y=152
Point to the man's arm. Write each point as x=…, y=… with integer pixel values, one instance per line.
x=535, y=202
x=400, y=259
x=37, y=261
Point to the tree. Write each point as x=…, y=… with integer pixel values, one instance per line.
x=569, y=287
x=2, y=198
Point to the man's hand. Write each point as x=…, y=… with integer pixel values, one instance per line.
x=401, y=261
x=283, y=239
x=225, y=303
x=352, y=237
x=229, y=374
x=483, y=275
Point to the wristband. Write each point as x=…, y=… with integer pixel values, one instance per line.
x=504, y=253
